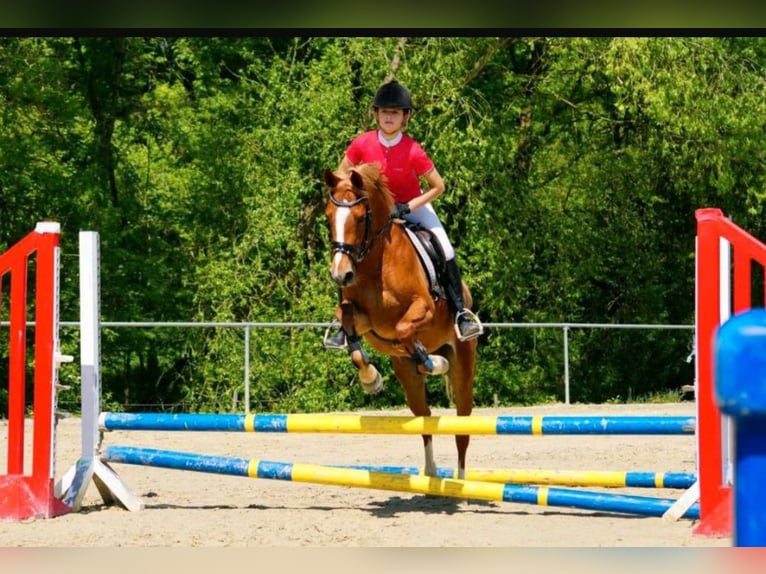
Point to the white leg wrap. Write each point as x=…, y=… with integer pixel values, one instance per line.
x=372, y=381
x=441, y=365
x=430, y=467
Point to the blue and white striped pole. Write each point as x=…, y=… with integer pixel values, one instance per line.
x=740, y=373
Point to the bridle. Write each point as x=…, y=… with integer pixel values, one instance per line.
x=358, y=252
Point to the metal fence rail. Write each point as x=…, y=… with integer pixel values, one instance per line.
x=248, y=327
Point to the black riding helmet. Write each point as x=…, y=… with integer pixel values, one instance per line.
x=392, y=95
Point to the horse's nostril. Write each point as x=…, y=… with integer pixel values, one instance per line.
x=348, y=278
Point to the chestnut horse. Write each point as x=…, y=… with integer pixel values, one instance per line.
x=386, y=299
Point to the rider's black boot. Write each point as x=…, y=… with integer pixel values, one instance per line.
x=467, y=324
x=337, y=339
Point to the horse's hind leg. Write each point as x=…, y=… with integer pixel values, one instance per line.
x=461, y=374
x=414, y=386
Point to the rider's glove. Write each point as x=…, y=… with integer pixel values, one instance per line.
x=400, y=210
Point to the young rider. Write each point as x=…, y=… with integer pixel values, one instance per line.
x=404, y=162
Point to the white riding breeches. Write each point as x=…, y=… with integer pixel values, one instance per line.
x=426, y=216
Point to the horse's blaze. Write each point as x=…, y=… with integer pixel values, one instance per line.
x=342, y=270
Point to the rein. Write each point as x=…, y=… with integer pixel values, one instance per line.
x=358, y=252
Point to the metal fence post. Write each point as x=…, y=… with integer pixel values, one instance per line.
x=566, y=364
x=247, y=368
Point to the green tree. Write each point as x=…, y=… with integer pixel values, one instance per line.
x=573, y=168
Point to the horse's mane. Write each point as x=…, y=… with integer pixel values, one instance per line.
x=375, y=183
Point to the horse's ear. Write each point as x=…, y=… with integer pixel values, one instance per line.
x=356, y=179
x=330, y=178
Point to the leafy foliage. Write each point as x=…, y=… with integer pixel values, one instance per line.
x=573, y=168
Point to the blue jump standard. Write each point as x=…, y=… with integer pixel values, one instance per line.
x=377, y=424
x=253, y=468
x=740, y=375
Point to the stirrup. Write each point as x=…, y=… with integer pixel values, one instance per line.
x=336, y=340
x=475, y=327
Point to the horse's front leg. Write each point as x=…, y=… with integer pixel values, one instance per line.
x=372, y=381
x=418, y=315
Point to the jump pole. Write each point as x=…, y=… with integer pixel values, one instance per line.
x=417, y=484
x=406, y=425
x=603, y=479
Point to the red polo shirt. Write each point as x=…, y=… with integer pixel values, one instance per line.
x=403, y=163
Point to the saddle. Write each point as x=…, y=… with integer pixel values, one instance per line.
x=430, y=254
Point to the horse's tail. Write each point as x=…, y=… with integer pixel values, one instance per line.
x=448, y=389
x=467, y=297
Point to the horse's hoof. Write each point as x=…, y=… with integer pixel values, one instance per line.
x=374, y=387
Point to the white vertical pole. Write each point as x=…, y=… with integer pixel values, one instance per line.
x=89, y=467
x=90, y=340
x=725, y=274
x=727, y=432
x=58, y=357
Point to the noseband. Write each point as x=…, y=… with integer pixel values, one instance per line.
x=357, y=252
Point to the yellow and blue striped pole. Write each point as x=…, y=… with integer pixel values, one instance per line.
x=381, y=424
x=418, y=484
x=604, y=479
